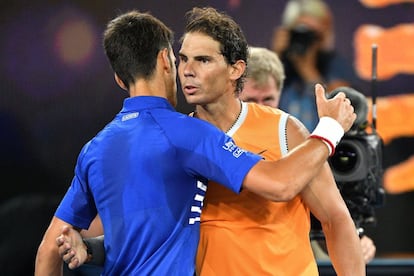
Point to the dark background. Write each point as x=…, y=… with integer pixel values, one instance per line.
x=57, y=91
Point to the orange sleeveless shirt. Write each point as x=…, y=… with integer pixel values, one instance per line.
x=245, y=234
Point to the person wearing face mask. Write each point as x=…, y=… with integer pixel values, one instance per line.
x=305, y=43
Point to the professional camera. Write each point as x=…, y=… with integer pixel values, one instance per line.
x=301, y=38
x=357, y=164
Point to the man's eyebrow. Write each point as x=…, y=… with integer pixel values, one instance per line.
x=204, y=56
x=250, y=100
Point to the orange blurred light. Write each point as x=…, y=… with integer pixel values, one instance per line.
x=75, y=42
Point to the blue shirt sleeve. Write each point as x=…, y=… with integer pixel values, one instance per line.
x=84, y=211
x=206, y=151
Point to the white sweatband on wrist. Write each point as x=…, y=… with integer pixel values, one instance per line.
x=330, y=132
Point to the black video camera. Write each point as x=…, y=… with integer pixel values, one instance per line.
x=301, y=38
x=357, y=164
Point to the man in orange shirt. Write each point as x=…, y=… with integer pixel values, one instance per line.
x=263, y=85
x=246, y=234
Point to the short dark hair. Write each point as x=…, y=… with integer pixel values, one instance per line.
x=132, y=42
x=222, y=28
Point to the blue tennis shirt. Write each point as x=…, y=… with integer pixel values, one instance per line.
x=145, y=174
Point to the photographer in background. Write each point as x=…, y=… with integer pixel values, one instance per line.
x=305, y=43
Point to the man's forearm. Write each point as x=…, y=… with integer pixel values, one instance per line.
x=48, y=262
x=344, y=249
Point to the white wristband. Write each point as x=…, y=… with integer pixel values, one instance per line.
x=330, y=132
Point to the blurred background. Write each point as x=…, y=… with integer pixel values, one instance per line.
x=57, y=91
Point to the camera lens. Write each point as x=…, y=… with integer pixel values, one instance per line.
x=301, y=38
x=344, y=159
x=350, y=161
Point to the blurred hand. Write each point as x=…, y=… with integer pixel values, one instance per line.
x=280, y=40
x=368, y=248
x=306, y=64
x=338, y=108
x=71, y=247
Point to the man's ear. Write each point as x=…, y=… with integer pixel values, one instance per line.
x=165, y=57
x=120, y=82
x=237, y=69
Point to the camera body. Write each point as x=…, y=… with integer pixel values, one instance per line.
x=301, y=38
x=358, y=170
x=357, y=163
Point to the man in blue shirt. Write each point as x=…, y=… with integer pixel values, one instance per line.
x=145, y=173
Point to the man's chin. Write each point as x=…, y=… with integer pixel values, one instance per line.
x=190, y=99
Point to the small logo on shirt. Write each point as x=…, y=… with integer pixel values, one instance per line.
x=233, y=148
x=129, y=116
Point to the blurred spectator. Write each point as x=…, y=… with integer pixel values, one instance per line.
x=305, y=43
x=265, y=78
